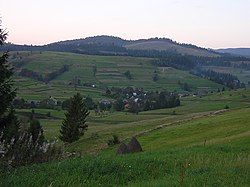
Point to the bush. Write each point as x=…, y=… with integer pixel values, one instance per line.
x=48, y=114
x=128, y=75
x=114, y=141
x=24, y=150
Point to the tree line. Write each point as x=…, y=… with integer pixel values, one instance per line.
x=226, y=79
x=47, y=78
x=189, y=62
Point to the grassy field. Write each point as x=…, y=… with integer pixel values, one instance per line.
x=210, y=150
x=110, y=72
x=125, y=125
x=199, y=144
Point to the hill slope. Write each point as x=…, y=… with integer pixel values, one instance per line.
x=173, y=156
x=115, y=45
x=164, y=44
x=110, y=72
x=236, y=51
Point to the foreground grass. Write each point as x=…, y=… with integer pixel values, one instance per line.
x=173, y=156
x=196, y=166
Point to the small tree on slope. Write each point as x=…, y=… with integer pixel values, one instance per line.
x=74, y=125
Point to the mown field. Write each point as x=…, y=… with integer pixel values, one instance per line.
x=203, y=145
x=110, y=72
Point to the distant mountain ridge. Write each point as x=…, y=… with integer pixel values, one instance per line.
x=115, y=45
x=236, y=51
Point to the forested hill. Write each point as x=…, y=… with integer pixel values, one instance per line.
x=236, y=51
x=110, y=45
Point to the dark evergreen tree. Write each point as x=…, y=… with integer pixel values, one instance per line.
x=155, y=77
x=89, y=103
x=74, y=125
x=15, y=146
x=10, y=127
x=186, y=87
x=128, y=75
x=36, y=131
x=8, y=122
x=119, y=105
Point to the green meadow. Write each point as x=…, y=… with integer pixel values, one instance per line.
x=200, y=143
x=208, y=150
x=110, y=73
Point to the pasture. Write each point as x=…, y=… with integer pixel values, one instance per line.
x=110, y=73
x=200, y=143
x=211, y=149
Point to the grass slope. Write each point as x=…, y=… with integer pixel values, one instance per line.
x=110, y=72
x=173, y=156
x=126, y=125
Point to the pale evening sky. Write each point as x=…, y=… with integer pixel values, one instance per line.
x=206, y=23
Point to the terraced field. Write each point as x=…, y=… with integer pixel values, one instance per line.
x=110, y=72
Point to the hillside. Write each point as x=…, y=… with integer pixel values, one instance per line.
x=115, y=45
x=159, y=44
x=201, y=145
x=169, y=45
x=204, y=141
x=110, y=73
x=236, y=51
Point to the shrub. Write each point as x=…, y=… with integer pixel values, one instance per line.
x=113, y=141
x=48, y=114
x=128, y=75
x=24, y=150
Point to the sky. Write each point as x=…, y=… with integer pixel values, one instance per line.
x=206, y=23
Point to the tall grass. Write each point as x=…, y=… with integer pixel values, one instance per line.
x=196, y=166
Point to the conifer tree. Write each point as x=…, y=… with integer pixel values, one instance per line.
x=36, y=131
x=8, y=122
x=74, y=125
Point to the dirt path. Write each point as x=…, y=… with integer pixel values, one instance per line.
x=179, y=122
